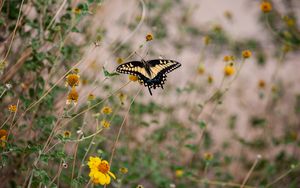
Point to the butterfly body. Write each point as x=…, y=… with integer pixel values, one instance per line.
x=151, y=73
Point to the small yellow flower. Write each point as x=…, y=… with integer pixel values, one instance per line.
x=139, y=186
x=265, y=6
x=261, y=84
x=91, y=97
x=76, y=10
x=208, y=156
x=3, y=64
x=206, y=40
x=105, y=123
x=106, y=110
x=122, y=97
x=120, y=60
x=123, y=170
x=274, y=89
x=290, y=22
x=179, y=173
x=210, y=79
x=229, y=70
x=228, y=58
x=149, y=37
x=12, y=108
x=201, y=69
x=100, y=171
x=133, y=78
x=228, y=15
x=246, y=54
x=286, y=48
x=67, y=134
x=72, y=97
x=3, y=137
x=72, y=80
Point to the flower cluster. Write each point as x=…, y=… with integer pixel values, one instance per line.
x=3, y=137
x=72, y=80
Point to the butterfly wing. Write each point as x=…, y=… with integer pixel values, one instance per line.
x=162, y=66
x=135, y=68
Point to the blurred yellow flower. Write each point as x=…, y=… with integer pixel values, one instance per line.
x=123, y=170
x=229, y=70
x=208, y=156
x=133, y=78
x=91, y=97
x=105, y=123
x=76, y=10
x=12, y=108
x=106, y=110
x=72, y=80
x=261, y=84
x=149, y=37
x=228, y=58
x=122, y=97
x=67, y=134
x=72, y=97
x=120, y=60
x=179, y=173
x=201, y=69
x=246, y=54
x=206, y=40
x=228, y=15
x=3, y=137
x=100, y=171
x=210, y=79
x=139, y=186
x=265, y=6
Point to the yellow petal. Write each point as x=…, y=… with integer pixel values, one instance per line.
x=107, y=179
x=111, y=174
x=102, y=178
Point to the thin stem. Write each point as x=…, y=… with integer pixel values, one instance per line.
x=120, y=129
x=250, y=172
x=281, y=177
x=14, y=32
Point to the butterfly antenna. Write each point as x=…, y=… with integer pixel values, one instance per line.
x=149, y=90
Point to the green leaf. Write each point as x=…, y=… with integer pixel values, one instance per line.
x=202, y=124
x=108, y=74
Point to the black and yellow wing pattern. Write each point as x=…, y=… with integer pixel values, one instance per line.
x=151, y=73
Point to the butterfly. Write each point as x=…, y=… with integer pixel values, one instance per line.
x=151, y=73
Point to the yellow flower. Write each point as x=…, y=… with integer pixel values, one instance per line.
x=77, y=11
x=106, y=110
x=72, y=97
x=91, y=97
x=208, y=156
x=67, y=134
x=99, y=171
x=120, y=60
x=246, y=54
x=261, y=84
x=290, y=22
x=265, y=6
x=228, y=58
x=179, y=173
x=201, y=69
x=206, y=40
x=139, y=186
x=149, y=37
x=228, y=15
x=12, y=108
x=72, y=80
x=123, y=170
x=133, y=78
x=105, y=123
x=210, y=79
x=122, y=98
x=3, y=137
x=229, y=70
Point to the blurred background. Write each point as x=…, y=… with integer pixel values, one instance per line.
x=228, y=117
